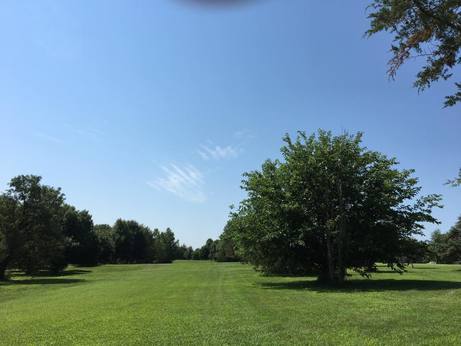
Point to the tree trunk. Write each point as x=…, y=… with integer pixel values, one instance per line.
x=341, y=270
x=3, y=267
x=331, y=266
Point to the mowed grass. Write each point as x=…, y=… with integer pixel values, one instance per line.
x=229, y=303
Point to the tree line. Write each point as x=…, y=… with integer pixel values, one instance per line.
x=446, y=247
x=220, y=250
x=327, y=206
x=39, y=231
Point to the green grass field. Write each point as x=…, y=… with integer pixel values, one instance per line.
x=228, y=303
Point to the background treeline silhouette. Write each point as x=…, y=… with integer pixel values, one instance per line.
x=39, y=231
x=446, y=247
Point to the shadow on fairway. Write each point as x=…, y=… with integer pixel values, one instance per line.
x=41, y=281
x=17, y=273
x=44, y=278
x=364, y=285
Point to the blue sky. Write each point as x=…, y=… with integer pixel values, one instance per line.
x=152, y=110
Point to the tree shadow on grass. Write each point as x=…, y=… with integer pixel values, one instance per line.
x=41, y=281
x=44, y=273
x=364, y=285
x=44, y=278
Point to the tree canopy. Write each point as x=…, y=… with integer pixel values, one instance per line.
x=457, y=181
x=81, y=240
x=31, y=226
x=429, y=29
x=38, y=231
x=446, y=247
x=329, y=205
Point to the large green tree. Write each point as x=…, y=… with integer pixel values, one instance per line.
x=427, y=29
x=329, y=205
x=31, y=226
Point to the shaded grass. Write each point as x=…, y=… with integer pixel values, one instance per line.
x=228, y=303
x=68, y=272
x=44, y=281
x=366, y=285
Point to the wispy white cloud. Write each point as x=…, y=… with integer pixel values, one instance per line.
x=48, y=137
x=185, y=182
x=92, y=133
x=244, y=134
x=216, y=152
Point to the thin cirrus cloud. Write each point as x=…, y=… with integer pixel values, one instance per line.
x=48, y=138
x=244, y=134
x=185, y=182
x=216, y=152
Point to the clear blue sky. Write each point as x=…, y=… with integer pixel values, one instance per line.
x=152, y=110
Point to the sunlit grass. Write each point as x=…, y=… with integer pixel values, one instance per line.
x=222, y=303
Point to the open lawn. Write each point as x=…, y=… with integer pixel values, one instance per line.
x=191, y=302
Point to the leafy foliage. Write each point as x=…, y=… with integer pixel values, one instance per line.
x=220, y=250
x=330, y=205
x=106, y=243
x=82, y=243
x=165, y=246
x=446, y=247
x=422, y=28
x=32, y=226
x=133, y=242
x=38, y=231
x=457, y=181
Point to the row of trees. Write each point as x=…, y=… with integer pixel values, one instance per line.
x=446, y=247
x=220, y=250
x=131, y=242
x=329, y=205
x=39, y=231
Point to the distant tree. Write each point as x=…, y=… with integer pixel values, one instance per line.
x=438, y=246
x=3, y=254
x=446, y=247
x=82, y=242
x=330, y=205
x=10, y=237
x=165, y=246
x=134, y=243
x=208, y=249
x=197, y=254
x=453, y=251
x=225, y=251
x=106, y=243
x=31, y=226
x=123, y=237
x=184, y=252
x=415, y=251
x=430, y=29
x=227, y=247
x=207, y=252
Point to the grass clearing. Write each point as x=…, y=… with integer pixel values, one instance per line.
x=190, y=302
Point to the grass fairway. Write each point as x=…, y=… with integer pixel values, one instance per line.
x=222, y=303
